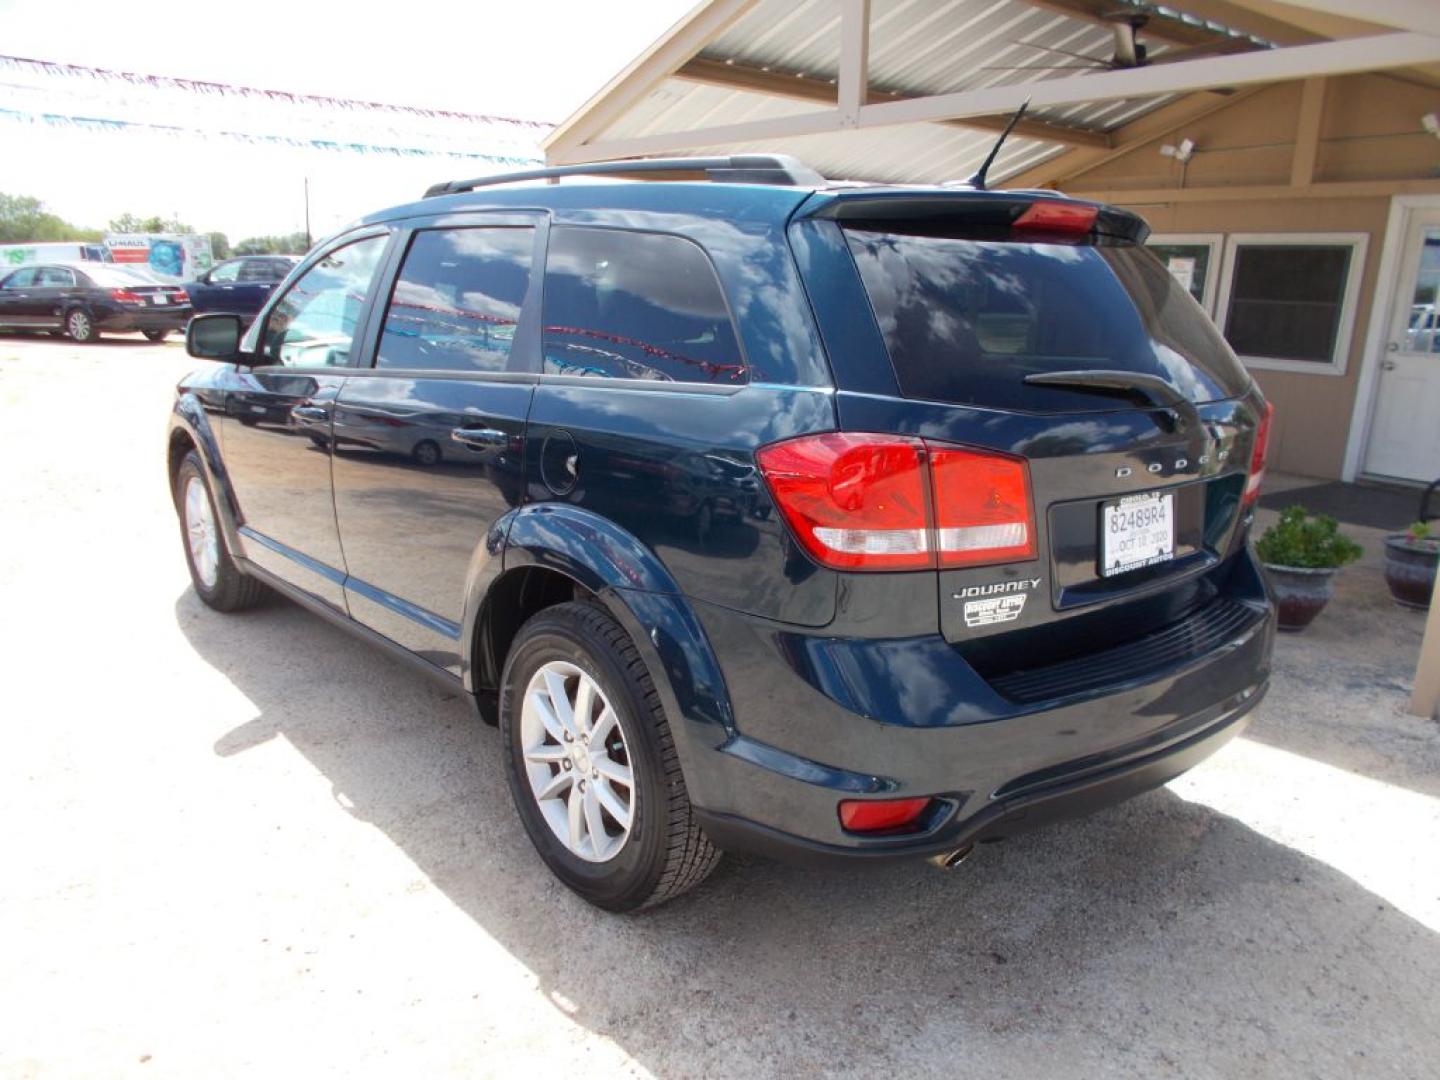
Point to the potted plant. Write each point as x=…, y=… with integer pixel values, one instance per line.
x=1410, y=559
x=1301, y=553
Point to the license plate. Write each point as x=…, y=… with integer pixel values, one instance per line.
x=160, y=298
x=1136, y=531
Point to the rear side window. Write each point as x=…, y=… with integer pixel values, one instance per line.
x=457, y=300
x=629, y=305
x=965, y=321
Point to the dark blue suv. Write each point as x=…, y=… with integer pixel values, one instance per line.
x=759, y=513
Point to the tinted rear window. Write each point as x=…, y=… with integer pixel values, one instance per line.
x=965, y=321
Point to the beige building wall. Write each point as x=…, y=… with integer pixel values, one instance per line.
x=1370, y=131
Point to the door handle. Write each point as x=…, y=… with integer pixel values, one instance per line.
x=470, y=436
x=310, y=412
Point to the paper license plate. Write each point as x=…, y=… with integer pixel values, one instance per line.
x=1136, y=531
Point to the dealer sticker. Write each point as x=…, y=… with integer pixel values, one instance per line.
x=995, y=609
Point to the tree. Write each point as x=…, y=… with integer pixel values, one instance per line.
x=129, y=223
x=220, y=246
x=293, y=244
x=24, y=220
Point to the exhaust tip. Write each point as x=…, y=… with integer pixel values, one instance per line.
x=948, y=860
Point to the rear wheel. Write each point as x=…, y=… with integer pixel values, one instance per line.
x=79, y=327
x=156, y=336
x=592, y=765
x=217, y=579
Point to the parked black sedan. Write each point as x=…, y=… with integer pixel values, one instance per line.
x=81, y=301
x=240, y=286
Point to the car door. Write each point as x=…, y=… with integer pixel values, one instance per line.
x=215, y=290
x=429, y=439
x=15, y=298
x=46, y=303
x=279, y=470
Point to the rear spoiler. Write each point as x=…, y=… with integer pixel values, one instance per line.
x=977, y=215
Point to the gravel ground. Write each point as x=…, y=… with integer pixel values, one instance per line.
x=251, y=845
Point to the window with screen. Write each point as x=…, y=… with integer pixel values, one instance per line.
x=630, y=305
x=456, y=303
x=1290, y=300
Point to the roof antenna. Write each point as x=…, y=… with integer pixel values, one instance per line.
x=977, y=181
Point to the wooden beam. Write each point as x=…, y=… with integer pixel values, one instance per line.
x=1419, y=16
x=1270, y=65
x=755, y=80
x=1307, y=133
x=854, y=78
x=1140, y=132
x=1340, y=189
x=682, y=41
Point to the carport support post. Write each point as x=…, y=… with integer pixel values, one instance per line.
x=1426, y=701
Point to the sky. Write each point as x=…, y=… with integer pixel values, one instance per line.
x=536, y=60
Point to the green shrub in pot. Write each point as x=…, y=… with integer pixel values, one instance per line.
x=1410, y=561
x=1301, y=553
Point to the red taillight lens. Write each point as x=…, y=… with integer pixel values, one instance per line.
x=1257, y=456
x=1069, y=219
x=125, y=296
x=180, y=296
x=855, y=501
x=884, y=815
x=887, y=502
x=982, y=508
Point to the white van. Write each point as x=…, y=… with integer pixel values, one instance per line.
x=12, y=255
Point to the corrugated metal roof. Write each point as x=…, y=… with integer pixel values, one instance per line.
x=917, y=47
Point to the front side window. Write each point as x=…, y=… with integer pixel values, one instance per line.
x=457, y=299
x=629, y=305
x=315, y=323
x=21, y=279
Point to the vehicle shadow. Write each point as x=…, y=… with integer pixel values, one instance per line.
x=1157, y=938
x=114, y=338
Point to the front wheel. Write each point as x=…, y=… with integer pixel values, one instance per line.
x=592, y=766
x=217, y=580
x=79, y=327
x=156, y=336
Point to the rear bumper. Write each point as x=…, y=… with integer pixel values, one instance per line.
x=822, y=720
x=149, y=319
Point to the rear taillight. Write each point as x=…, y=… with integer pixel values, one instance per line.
x=1057, y=218
x=180, y=296
x=887, y=502
x=1257, y=456
x=125, y=296
x=881, y=815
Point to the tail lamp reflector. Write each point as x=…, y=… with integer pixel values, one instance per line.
x=881, y=815
x=1072, y=219
x=886, y=502
x=1258, y=454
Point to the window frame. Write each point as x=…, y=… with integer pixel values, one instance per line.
x=1216, y=243
x=1357, y=242
x=675, y=385
x=362, y=345
x=524, y=356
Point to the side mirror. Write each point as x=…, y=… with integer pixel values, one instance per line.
x=214, y=336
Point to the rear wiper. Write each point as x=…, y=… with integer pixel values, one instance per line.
x=1150, y=388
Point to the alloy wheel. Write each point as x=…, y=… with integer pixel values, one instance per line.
x=577, y=762
x=200, y=532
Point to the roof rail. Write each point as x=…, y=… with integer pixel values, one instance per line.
x=736, y=169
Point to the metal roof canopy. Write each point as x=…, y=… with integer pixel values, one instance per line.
x=914, y=91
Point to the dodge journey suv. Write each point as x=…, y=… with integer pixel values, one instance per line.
x=759, y=513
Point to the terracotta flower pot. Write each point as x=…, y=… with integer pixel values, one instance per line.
x=1410, y=570
x=1300, y=593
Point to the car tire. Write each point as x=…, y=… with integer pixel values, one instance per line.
x=218, y=581
x=156, y=336
x=661, y=851
x=426, y=452
x=80, y=327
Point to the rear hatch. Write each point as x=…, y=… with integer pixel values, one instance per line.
x=1114, y=432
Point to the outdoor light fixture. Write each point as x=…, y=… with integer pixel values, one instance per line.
x=1431, y=123
x=1181, y=153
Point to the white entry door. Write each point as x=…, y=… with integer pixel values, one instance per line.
x=1405, y=435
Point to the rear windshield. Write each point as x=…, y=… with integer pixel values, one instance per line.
x=965, y=320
